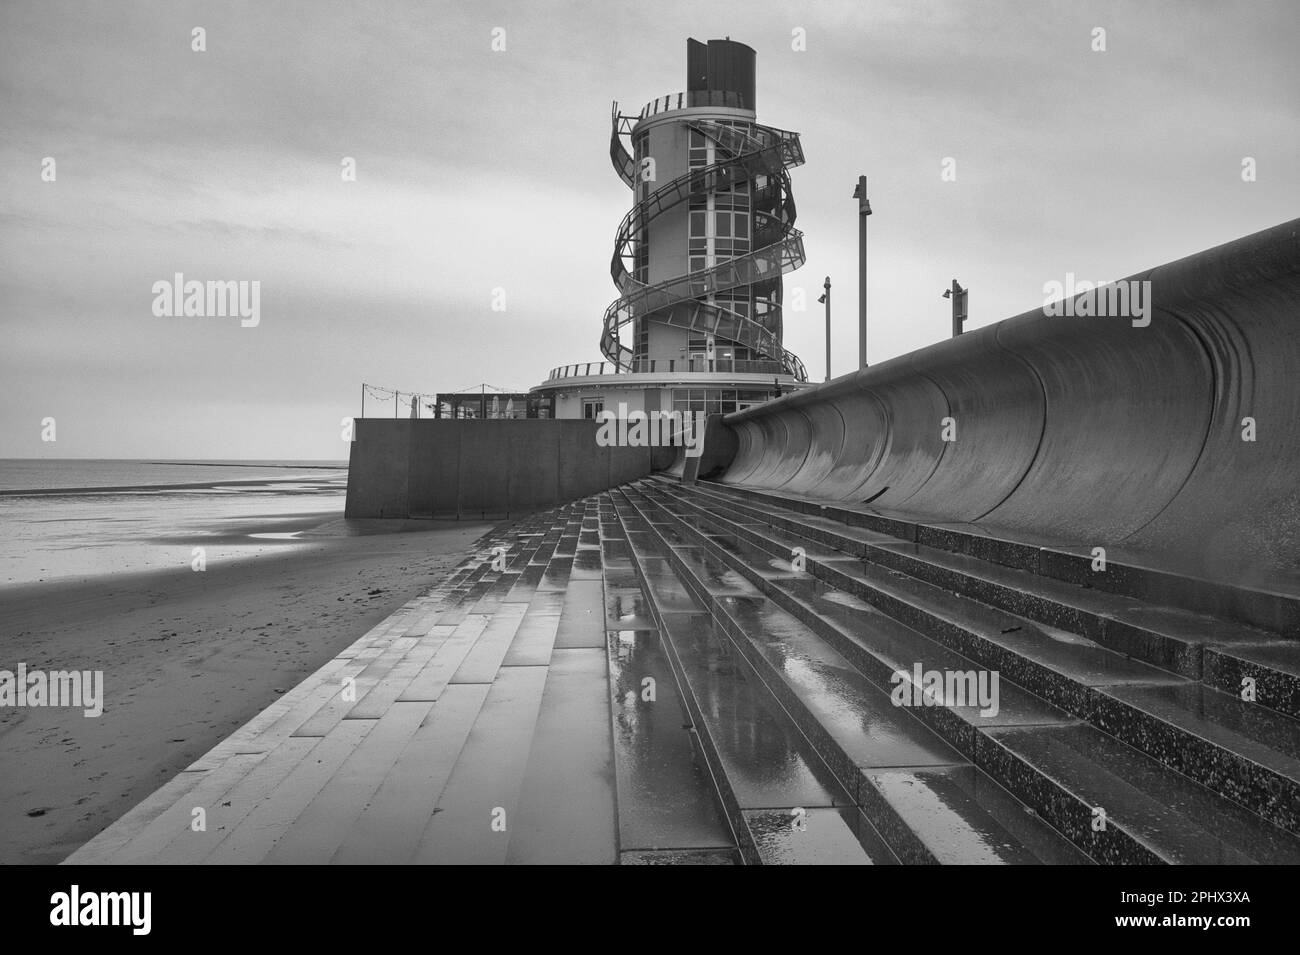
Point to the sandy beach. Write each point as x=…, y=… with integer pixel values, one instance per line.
x=187, y=658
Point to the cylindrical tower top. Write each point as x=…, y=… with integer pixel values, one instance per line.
x=723, y=65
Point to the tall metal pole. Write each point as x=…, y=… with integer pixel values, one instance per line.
x=363, y=399
x=864, y=210
x=826, y=297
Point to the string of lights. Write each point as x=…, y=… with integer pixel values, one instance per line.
x=436, y=403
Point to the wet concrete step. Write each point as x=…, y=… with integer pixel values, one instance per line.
x=498, y=803
x=665, y=795
x=387, y=828
x=401, y=704
x=882, y=755
x=763, y=770
x=665, y=594
x=1242, y=752
x=318, y=831
x=772, y=769
x=880, y=646
x=566, y=809
x=403, y=697
x=319, y=776
x=250, y=840
x=1113, y=692
x=567, y=804
x=1090, y=779
x=1272, y=668
x=1164, y=636
x=1130, y=574
x=471, y=822
x=668, y=809
x=1052, y=663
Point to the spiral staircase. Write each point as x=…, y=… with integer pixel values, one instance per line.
x=759, y=155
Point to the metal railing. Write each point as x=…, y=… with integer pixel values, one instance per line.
x=581, y=369
x=682, y=301
x=725, y=99
x=733, y=366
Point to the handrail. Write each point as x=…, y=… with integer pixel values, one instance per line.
x=761, y=155
x=735, y=366
x=724, y=99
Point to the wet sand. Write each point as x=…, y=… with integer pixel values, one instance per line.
x=187, y=658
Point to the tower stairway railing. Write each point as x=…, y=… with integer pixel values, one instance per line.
x=760, y=155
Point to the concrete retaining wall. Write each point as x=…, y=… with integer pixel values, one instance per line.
x=1086, y=430
x=477, y=469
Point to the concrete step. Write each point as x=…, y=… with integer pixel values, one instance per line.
x=318, y=831
x=772, y=770
x=928, y=802
x=389, y=825
x=666, y=799
x=566, y=811
x=668, y=809
x=878, y=645
x=761, y=767
x=1167, y=637
x=1248, y=753
x=501, y=799
x=363, y=808
x=1128, y=573
x=1080, y=772
x=471, y=823
x=324, y=775
x=1274, y=669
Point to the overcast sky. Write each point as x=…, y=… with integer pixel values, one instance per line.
x=479, y=169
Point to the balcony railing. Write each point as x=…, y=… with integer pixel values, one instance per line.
x=643, y=366
x=717, y=98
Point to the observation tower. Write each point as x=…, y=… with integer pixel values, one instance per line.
x=699, y=258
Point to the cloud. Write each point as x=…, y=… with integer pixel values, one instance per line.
x=481, y=170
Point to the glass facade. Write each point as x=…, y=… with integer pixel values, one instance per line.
x=715, y=400
x=719, y=229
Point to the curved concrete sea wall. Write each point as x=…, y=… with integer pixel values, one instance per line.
x=1084, y=430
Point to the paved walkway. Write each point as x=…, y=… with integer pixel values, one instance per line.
x=471, y=726
x=647, y=677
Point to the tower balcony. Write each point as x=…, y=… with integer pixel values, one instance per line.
x=694, y=99
x=645, y=368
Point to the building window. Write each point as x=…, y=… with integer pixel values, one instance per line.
x=592, y=407
x=642, y=345
x=714, y=400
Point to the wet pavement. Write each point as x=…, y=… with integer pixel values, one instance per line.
x=658, y=676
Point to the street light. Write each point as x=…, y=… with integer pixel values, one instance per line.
x=825, y=298
x=864, y=210
x=958, y=296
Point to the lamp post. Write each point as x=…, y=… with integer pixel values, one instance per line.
x=958, y=296
x=825, y=299
x=864, y=210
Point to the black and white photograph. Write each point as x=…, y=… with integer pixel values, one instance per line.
x=679, y=433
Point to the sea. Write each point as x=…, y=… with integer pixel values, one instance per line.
x=64, y=518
